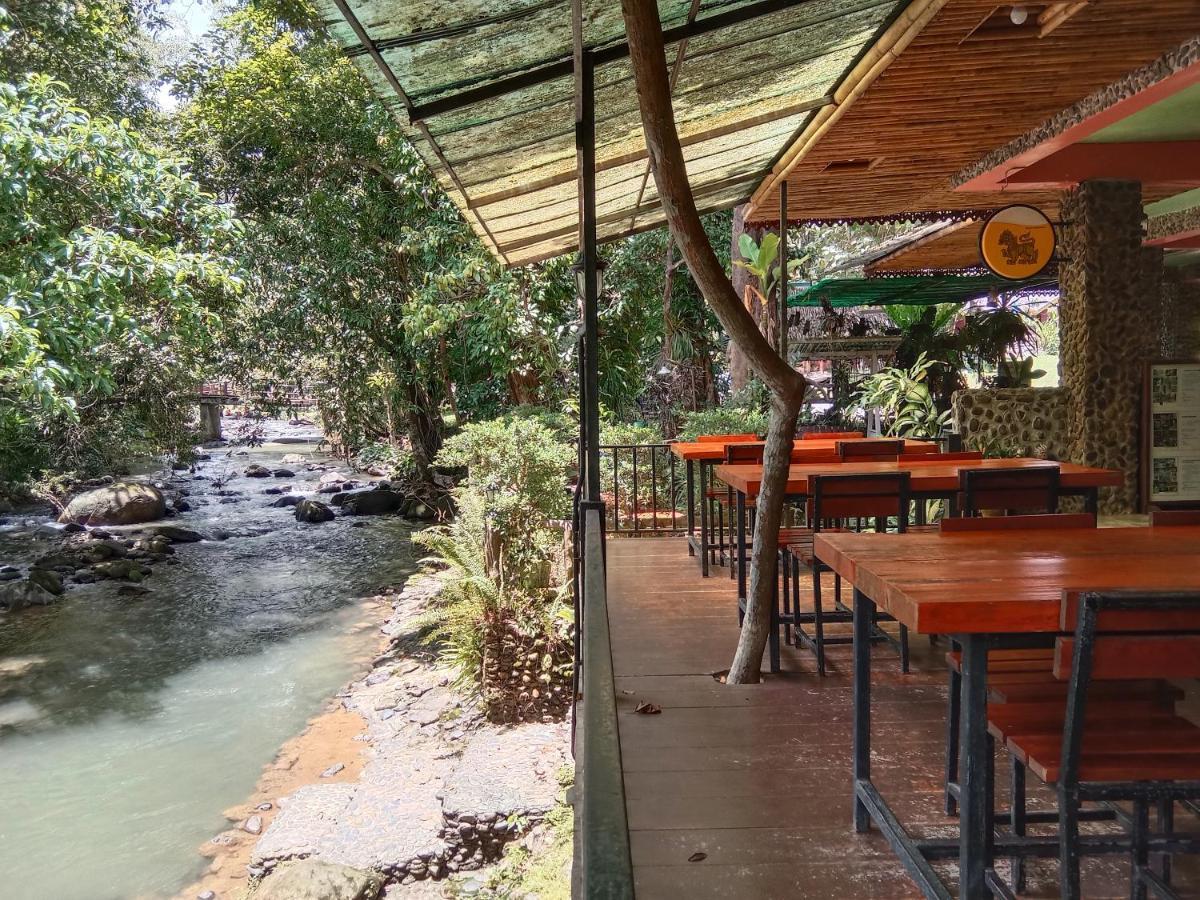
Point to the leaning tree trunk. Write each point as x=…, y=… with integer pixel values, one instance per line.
x=647, y=56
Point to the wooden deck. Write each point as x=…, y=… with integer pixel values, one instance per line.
x=757, y=778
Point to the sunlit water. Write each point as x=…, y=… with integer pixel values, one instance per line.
x=145, y=717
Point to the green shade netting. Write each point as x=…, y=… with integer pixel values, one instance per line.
x=913, y=290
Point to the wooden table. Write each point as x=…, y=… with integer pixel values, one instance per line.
x=930, y=481
x=705, y=455
x=987, y=590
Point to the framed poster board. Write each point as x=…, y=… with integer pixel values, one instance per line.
x=1171, y=434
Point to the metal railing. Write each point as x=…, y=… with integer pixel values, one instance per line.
x=643, y=488
x=603, y=864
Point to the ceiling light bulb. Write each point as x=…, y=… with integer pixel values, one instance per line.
x=1018, y=14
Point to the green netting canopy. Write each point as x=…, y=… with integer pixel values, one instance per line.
x=911, y=290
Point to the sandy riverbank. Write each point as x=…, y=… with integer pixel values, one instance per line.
x=428, y=789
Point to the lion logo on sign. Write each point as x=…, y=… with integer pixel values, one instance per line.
x=1018, y=251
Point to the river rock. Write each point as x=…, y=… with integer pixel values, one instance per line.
x=16, y=595
x=177, y=534
x=284, y=473
x=47, y=580
x=254, y=470
x=293, y=459
x=312, y=879
x=333, y=478
x=9, y=573
x=122, y=503
x=288, y=500
x=418, y=510
x=308, y=510
x=372, y=503
x=253, y=825
x=120, y=569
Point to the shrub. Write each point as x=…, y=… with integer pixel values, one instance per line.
x=723, y=420
x=504, y=616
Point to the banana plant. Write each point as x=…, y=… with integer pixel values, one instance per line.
x=761, y=259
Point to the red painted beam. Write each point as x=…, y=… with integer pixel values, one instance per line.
x=996, y=179
x=1161, y=163
x=1185, y=240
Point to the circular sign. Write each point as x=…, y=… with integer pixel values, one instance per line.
x=1017, y=242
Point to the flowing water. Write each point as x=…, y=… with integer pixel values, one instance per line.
x=127, y=724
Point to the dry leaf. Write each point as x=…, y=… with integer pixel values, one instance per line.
x=647, y=709
x=698, y=857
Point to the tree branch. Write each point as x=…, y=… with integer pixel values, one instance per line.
x=647, y=57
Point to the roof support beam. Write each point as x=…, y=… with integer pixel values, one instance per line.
x=1162, y=163
x=1073, y=131
x=607, y=54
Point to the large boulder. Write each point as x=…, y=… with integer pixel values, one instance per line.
x=309, y=510
x=312, y=879
x=122, y=503
x=254, y=470
x=372, y=503
x=16, y=595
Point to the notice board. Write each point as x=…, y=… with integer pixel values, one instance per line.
x=1171, y=454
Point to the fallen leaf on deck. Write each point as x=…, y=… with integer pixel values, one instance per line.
x=647, y=709
x=698, y=857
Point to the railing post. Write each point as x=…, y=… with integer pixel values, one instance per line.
x=604, y=868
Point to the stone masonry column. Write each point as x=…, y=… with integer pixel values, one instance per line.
x=1109, y=313
x=1179, y=331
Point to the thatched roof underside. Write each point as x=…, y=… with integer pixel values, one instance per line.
x=952, y=98
x=741, y=94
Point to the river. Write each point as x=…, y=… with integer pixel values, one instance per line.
x=127, y=724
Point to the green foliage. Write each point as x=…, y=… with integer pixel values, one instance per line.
x=521, y=470
x=396, y=460
x=761, y=259
x=114, y=271
x=503, y=551
x=366, y=282
x=1017, y=372
x=903, y=397
x=99, y=49
x=723, y=420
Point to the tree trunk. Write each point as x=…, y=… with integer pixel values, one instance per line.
x=648, y=60
x=424, y=426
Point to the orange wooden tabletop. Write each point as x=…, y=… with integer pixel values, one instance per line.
x=816, y=447
x=931, y=477
x=1006, y=581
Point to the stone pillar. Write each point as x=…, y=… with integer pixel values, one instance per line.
x=1109, y=312
x=1179, y=326
x=210, y=422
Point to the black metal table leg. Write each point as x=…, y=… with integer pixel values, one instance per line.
x=975, y=825
x=690, y=476
x=704, y=548
x=863, y=614
x=740, y=559
x=1091, y=501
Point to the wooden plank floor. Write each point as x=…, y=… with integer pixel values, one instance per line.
x=757, y=778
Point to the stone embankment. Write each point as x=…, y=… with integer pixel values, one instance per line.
x=440, y=791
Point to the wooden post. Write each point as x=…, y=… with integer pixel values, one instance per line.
x=782, y=343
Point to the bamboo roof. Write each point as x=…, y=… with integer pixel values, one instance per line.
x=965, y=85
x=742, y=91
